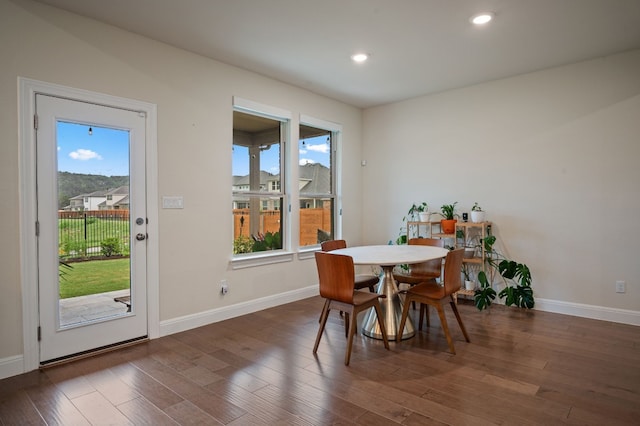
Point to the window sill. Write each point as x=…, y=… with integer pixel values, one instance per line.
x=308, y=253
x=261, y=259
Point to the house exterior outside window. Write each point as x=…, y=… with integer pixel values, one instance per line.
x=259, y=136
x=267, y=175
x=317, y=187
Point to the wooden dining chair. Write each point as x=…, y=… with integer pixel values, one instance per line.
x=431, y=293
x=424, y=271
x=336, y=276
x=361, y=280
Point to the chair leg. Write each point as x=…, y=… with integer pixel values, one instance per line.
x=423, y=308
x=352, y=332
x=426, y=312
x=346, y=324
x=403, y=320
x=445, y=327
x=326, y=303
x=383, y=329
x=323, y=321
x=455, y=311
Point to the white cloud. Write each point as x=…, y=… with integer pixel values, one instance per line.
x=302, y=151
x=85, y=154
x=323, y=148
x=304, y=161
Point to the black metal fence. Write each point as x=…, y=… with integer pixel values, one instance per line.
x=93, y=233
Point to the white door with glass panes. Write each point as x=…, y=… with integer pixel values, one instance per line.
x=92, y=226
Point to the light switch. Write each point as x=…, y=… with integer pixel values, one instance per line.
x=172, y=203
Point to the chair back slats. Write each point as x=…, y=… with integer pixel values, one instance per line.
x=336, y=276
x=333, y=245
x=452, y=268
x=430, y=267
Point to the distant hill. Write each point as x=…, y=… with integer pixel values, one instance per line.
x=72, y=184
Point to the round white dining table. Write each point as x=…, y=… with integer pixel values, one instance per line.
x=387, y=257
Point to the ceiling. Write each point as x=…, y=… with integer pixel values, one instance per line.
x=416, y=47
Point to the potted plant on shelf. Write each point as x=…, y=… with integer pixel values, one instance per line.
x=516, y=277
x=420, y=212
x=448, y=222
x=468, y=283
x=417, y=212
x=477, y=214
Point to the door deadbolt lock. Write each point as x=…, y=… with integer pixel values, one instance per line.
x=139, y=221
x=140, y=237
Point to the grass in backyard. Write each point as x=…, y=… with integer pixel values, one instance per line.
x=93, y=277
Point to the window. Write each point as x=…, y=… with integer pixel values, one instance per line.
x=257, y=166
x=317, y=181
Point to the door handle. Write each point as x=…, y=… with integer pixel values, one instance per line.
x=140, y=237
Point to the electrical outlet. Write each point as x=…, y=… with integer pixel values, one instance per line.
x=224, y=287
x=620, y=286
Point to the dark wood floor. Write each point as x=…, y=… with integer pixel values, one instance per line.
x=520, y=368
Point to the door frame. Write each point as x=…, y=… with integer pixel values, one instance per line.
x=28, y=205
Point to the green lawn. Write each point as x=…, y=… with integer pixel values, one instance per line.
x=95, y=276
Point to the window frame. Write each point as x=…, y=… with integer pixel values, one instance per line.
x=336, y=177
x=246, y=260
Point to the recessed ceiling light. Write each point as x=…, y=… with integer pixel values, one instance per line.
x=482, y=18
x=359, y=57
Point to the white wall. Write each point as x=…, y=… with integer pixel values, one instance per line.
x=194, y=99
x=551, y=155
x=553, y=158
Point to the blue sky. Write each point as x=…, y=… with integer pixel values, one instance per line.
x=314, y=150
x=104, y=152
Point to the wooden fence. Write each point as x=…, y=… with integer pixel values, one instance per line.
x=101, y=214
x=311, y=221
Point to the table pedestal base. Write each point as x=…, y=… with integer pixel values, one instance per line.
x=391, y=310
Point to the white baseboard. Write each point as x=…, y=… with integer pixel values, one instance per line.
x=188, y=322
x=623, y=316
x=11, y=366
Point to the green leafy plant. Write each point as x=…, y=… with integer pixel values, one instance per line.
x=476, y=207
x=466, y=271
x=415, y=209
x=412, y=215
x=242, y=244
x=73, y=248
x=515, y=276
x=448, y=211
x=268, y=241
x=110, y=246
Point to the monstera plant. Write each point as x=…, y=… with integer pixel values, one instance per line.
x=515, y=276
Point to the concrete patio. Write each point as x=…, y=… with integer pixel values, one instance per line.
x=75, y=310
